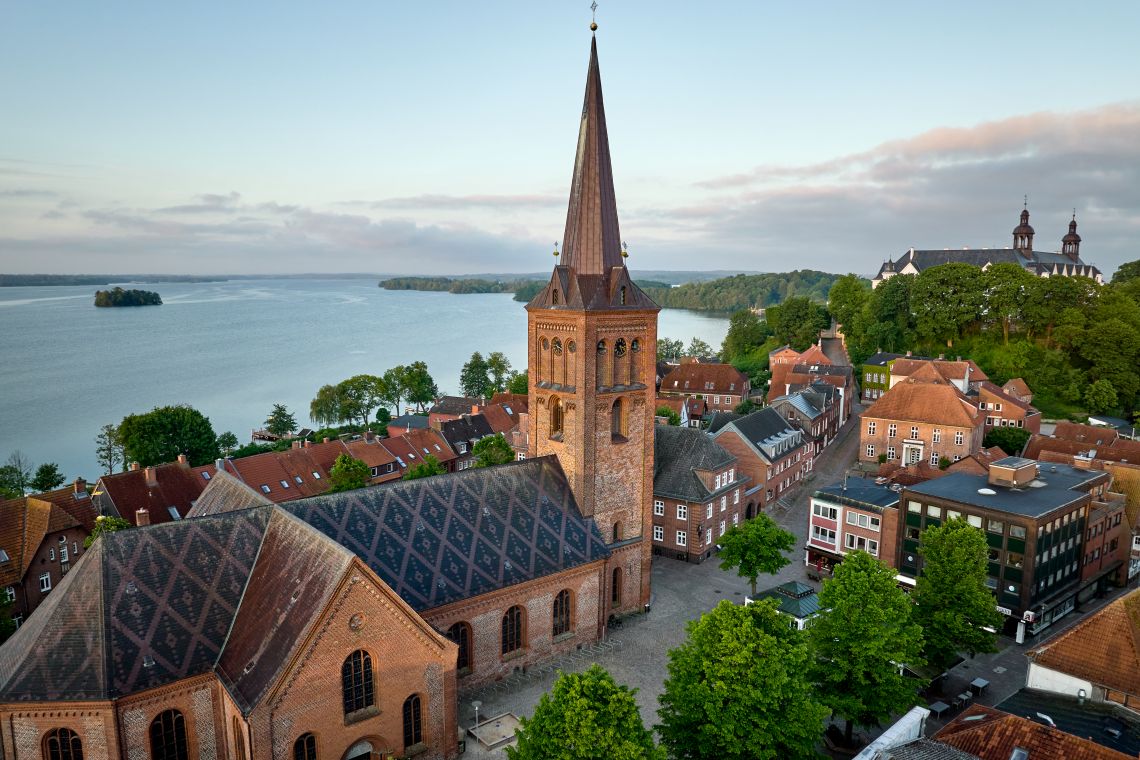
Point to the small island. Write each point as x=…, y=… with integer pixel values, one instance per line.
x=120, y=297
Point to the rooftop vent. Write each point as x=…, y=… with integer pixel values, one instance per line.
x=148, y=661
x=987, y=492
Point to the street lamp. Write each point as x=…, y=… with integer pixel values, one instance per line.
x=476, y=704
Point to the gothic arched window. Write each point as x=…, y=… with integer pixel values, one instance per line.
x=62, y=744
x=168, y=736
x=356, y=682
x=305, y=748
x=513, y=630
x=413, y=722
x=621, y=295
x=556, y=413
x=460, y=633
x=561, y=613
x=615, y=587
x=618, y=428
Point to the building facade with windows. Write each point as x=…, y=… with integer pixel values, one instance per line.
x=722, y=386
x=39, y=544
x=698, y=493
x=851, y=516
x=924, y=418
x=1036, y=519
x=771, y=452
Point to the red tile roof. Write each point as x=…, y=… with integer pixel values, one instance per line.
x=176, y=486
x=1121, y=451
x=988, y=390
x=24, y=522
x=925, y=397
x=962, y=370
x=1017, y=387
x=1104, y=648
x=76, y=503
x=1074, y=431
x=431, y=442
x=704, y=378
x=498, y=418
x=994, y=735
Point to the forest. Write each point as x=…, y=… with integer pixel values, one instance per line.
x=455, y=285
x=120, y=297
x=1076, y=343
x=745, y=291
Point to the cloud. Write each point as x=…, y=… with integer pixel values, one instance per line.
x=463, y=202
x=27, y=193
x=209, y=203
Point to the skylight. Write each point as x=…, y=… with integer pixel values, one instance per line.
x=4, y=556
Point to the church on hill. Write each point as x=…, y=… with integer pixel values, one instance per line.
x=344, y=626
x=1066, y=263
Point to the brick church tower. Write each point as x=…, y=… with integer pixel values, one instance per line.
x=592, y=348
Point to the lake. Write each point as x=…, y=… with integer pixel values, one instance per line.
x=232, y=350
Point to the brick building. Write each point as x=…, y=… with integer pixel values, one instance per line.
x=149, y=495
x=697, y=493
x=771, y=452
x=922, y=418
x=1003, y=409
x=815, y=410
x=722, y=386
x=846, y=517
x=344, y=625
x=1037, y=520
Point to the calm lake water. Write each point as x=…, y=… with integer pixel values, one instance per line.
x=232, y=350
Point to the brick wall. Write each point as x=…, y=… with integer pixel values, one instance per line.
x=945, y=447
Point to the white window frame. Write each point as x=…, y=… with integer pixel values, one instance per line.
x=936, y=436
x=892, y=430
x=682, y=538
x=818, y=509
x=658, y=508
x=871, y=427
x=658, y=532
x=870, y=449
x=45, y=582
x=959, y=438
x=722, y=527
x=823, y=535
x=682, y=512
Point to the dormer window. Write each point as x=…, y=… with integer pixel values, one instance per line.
x=621, y=295
x=264, y=488
x=554, y=297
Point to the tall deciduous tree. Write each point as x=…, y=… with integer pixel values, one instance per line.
x=738, y=689
x=519, y=383
x=797, y=321
x=860, y=640
x=499, y=367
x=106, y=524
x=698, y=347
x=280, y=421
x=1010, y=440
x=952, y=603
x=47, y=477
x=361, y=394
x=1100, y=397
x=746, y=333
x=163, y=433
x=419, y=386
x=670, y=416
x=492, y=450
x=1126, y=272
x=668, y=349
x=946, y=299
x=474, y=379
x=425, y=469
x=1006, y=289
x=227, y=443
x=584, y=716
x=327, y=407
x=16, y=474
x=846, y=298
x=756, y=546
x=348, y=473
x=395, y=387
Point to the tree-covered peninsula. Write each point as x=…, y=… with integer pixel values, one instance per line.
x=120, y=297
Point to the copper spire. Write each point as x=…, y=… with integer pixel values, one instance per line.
x=592, y=243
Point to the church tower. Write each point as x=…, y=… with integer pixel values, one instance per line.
x=592, y=348
x=1023, y=234
x=1071, y=243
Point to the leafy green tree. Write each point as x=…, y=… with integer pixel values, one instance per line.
x=519, y=383
x=584, y=716
x=348, y=473
x=1126, y=272
x=47, y=477
x=944, y=463
x=418, y=384
x=425, y=469
x=671, y=416
x=747, y=406
x=1048, y=297
x=492, y=450
x=1100, y=397
x=105, y=524
x=846, y=299
x=109, y=449
x=1009, y=440
x=738, y=689
x=250, y=449
x=1007, y=286
x=7, y=624
x=946, y=299
x=885, y=323
x=163, y=433
x=1111, y=346
x=499, y=368
x=668, y=349
x=755, y=546
x=474, y=378
x=698, y=347
x=863, y=635
x=227, y=443
x=16, y=474
x=327, y=407
x=361, y=394
x=797, y=321
x=280, y=421
x=952, y=603
x=745, y=334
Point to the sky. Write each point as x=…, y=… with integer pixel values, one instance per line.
x=438, y=138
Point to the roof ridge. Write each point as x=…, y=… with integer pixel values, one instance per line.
x=241, y=598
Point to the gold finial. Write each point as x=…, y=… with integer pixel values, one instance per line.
x=593, y=17
x=624, y=250
x=556, y=248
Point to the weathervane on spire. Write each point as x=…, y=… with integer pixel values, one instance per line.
x=1026, y=202
x=593, y=17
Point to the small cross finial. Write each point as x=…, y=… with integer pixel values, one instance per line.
x=593, y=17
x=555, y=247
x=1026, y=202
x=1074, y=213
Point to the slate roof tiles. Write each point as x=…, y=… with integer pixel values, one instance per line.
x=994, y=735
x=925, y=397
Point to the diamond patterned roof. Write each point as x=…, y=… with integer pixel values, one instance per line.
x=449, y=537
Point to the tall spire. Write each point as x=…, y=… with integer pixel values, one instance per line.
x=592, y=242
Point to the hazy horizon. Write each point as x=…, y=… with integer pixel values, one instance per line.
x=405, y=139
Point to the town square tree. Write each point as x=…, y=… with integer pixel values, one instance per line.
x=756, y=546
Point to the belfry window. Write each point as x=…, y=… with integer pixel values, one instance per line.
x=556, y=414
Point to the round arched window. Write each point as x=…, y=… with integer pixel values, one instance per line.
x=545, y=344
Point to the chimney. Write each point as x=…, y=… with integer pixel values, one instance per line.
x=80, y=486
x=142, y=517
x=296, y=444
x=474, y=408
x=134, y=466
x=941, y=357
x=308, y=443
x=219, y=465
x=325, y=439
x=183, y=460
x=908, y=353
x=369, y=435
x=151, y=477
